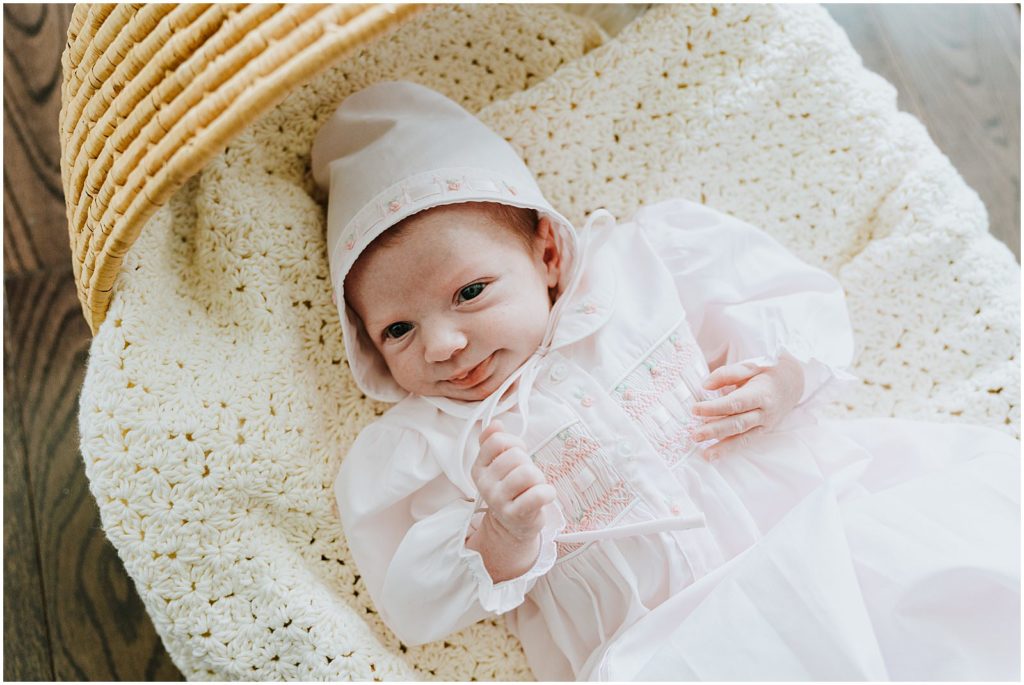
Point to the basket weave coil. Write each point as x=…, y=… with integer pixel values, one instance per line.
x=151, y=93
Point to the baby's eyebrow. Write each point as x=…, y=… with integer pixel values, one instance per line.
x=468, y=274
x=370, y=321
x=379, y=323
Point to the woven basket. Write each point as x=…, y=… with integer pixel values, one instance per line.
x=151, y=93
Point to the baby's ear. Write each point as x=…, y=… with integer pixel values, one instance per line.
x=548, y=246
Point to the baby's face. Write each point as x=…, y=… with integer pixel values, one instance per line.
x=458, y=293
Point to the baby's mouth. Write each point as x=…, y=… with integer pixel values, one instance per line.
x=474, y=376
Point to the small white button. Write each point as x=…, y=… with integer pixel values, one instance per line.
x=625, y=449
x=558, y=372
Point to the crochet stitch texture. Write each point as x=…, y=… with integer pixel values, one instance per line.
x=217, y=404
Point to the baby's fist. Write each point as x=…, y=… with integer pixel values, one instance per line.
x=513, y=487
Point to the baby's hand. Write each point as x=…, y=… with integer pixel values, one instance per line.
x=761, y=399
x=513, y=487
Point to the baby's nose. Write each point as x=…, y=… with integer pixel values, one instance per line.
x=443, y=344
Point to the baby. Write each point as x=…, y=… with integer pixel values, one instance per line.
x=667, y=506
x=478, y=280
x=501, y=265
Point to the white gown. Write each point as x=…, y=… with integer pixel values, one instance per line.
x=899, y=560
x=855, y=549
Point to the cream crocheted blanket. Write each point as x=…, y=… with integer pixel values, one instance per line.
x=217, y=405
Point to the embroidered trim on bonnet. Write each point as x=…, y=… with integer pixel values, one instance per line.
x=447, y=185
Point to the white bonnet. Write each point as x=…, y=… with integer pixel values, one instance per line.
x=396, y=148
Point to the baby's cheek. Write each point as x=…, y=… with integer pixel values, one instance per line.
x=525, y=327
x=400, y=373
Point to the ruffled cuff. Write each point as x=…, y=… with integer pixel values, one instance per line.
x=818, y=374
x=508, y=594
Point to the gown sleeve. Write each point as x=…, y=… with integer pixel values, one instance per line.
x=747, y=298
x=406, y=524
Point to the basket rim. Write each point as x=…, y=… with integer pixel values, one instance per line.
x=151, y=93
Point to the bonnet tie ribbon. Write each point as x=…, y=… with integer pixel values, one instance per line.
x=527, y=375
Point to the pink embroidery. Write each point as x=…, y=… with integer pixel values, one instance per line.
x=421, y=186
x=350, y=244
x=562, y=461
x=662, y=371
x=587, y=402
x=589, y=309
x=575, y=450
x=675, y=445
x=598, y=516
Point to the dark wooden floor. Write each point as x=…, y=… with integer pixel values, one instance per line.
x=70, y=611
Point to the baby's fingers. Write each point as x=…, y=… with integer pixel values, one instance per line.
x=487, y=452
x=732, y=425
x=495, y=443
x=536, y=498
x=738, y=401
x=494, y=427
x=525, y=515
x=732, y=374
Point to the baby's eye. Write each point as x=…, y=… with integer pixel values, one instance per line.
x=472, y=291
x=396, y=330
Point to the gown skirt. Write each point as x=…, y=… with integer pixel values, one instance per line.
x=884, y=549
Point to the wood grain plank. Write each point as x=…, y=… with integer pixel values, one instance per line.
x=29, y=656
x=35, y=221
x=97, y=623
x=957, y=69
